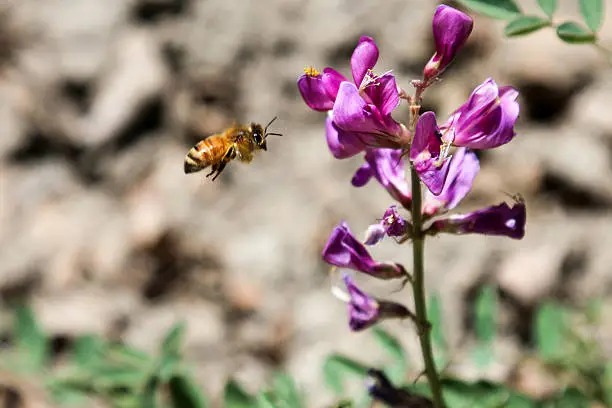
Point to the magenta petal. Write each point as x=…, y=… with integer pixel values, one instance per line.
x=388, y=169
x=341, y=144
x=331, y=80
x=374, y=234
x=496, y=220
x=314, y=92
x=384, y=95
x=461, y=174
x=426, y=138
x=362, y=175
x=432, y=175
x=486, y=120
x=451, y=29
x=364, y=58
x=363, y=309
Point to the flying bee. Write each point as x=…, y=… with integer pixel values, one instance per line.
x=219, y=149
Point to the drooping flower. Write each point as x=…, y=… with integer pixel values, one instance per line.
x=486, y=120
x=361, y=109
x=461, y=174
x=344, y=250
x=386, y=166
x=451, y=29
x=426, y=153
x=500, y=219
x=392, y=225
x=365, y=311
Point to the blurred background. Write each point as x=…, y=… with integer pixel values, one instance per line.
x=102, y=233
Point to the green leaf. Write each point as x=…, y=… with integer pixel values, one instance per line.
x=149, y=395
x=30, y=340
x=548, y=7
x=286, y=390
x=265, y=399
x=122, y=354
x=185, y=393
x=118, y=377
x=571, y=398
x=171, y=345
x=167, y=367
x=525, y=25
x=88, y=350
x=483, y=355
x=550, y=330
x=234, y=396
x=498, y=9
x=397, y=372
x=592, y=12
x=573, y=33
x=336, y=367
x=486, y=314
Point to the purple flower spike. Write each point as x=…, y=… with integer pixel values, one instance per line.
x=464, y=166
x=386, y=166
x=345, y=251
x=496, y=220
x=486, y=120
x=451, y=29
x=425, y=153
x=365, y=311
x=319, y=90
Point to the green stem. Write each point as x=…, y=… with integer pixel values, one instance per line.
x=423, y=327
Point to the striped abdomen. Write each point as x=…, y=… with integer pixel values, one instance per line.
x=207, y=152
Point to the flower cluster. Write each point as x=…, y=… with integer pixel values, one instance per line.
x=442, y=155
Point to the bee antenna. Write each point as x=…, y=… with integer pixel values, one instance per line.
x=269, y=123
x=274, y=134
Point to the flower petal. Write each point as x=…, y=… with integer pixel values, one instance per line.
x=496, y=220
x=384, y=95
x=432, y=174
x=387, y=167
x=364, y=58
x=341, y=144
x=314, y=92
x=462, y=171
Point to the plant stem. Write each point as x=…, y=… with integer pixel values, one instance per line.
x=418, y=287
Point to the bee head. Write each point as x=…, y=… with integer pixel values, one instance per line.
x=259, y=136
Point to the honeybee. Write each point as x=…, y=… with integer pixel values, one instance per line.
x=219, y=149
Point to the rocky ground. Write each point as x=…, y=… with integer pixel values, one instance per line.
x=102, y=231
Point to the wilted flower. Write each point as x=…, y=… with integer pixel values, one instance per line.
x=495, y=220
x=461, y=174
x=486, y=120
x=365, y=311
x=345, y=251
x=392, y=224
x=386, y=166
x=426, y=153
x=451, y=29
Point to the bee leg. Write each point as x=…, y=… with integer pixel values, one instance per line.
x=229, y=155
x=213, y=170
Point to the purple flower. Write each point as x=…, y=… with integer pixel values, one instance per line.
x=486, y=120
x=365, y=311
x=319, y=90
x=425, y=153
x=451, y=29
x=496, y=220
x=392, y=224
x=461, y=174
x=361, y=109
x=345, y=251
x=386, y=166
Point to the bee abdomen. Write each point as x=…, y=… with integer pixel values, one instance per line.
x=203, y=154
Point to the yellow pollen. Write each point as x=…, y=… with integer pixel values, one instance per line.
x=311, y=71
